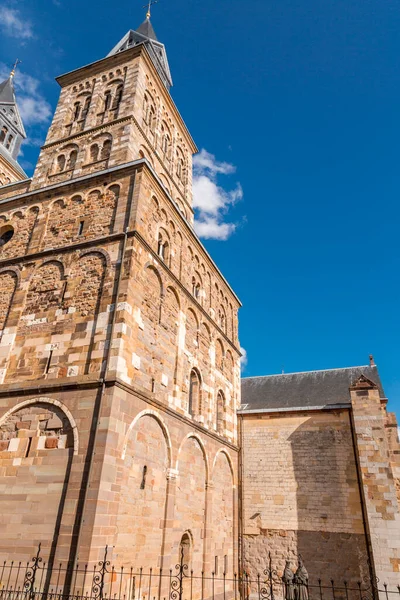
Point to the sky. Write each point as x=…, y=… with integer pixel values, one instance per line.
x=294, y=106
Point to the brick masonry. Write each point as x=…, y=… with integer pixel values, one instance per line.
x=301, y=494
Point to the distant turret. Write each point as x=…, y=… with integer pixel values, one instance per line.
x=12, y=133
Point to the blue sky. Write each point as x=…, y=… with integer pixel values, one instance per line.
x=296, y=105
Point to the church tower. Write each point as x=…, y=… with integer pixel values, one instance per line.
x=119, y=352
x=12, y=133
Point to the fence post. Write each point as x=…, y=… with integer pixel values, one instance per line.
x=30, y=575
x=98, y=579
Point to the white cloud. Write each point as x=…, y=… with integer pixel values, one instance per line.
x=243, y=359
x=210, y=200
x=13, y=25
x=206, y=161
x=34, y=108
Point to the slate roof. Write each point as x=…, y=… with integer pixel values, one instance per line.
x=145, y=34
x=7, y=91
x=304, y=390
x=146, y=28
x=5, y=154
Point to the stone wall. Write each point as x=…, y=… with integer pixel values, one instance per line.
x=301, y=494
x=8, y=174
x=90, y=137
x=42, y=457
x=111, y=305
x=377, y=455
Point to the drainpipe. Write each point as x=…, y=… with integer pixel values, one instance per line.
x=240, y=496
x=75, y=549
x=371, y=564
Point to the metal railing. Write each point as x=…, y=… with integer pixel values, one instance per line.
x=37, y=580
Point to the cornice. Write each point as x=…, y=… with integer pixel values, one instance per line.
x=80, y=134
x=150, y=399
x=29, y=388
x=127, y=169
x=122, y=57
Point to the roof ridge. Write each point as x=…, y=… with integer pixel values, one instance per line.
x=313, y=371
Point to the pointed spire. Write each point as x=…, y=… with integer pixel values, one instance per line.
x=146, y=35
x=7, y=94
x=146, y=29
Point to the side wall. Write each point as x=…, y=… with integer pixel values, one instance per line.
x=377, y=454
x=301, y=495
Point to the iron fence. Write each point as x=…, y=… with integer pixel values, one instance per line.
x=37, y=580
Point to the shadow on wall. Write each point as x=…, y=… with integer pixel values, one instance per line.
x=330, y=534
x=36, y=451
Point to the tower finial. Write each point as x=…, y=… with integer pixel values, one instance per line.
x=148, y=6
x=17, y=62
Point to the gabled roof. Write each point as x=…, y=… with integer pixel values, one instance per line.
x=145, y=34
x=312, y=389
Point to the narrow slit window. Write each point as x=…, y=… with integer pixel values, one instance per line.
x=81, y=226
x=143, y=484
x=48, y=364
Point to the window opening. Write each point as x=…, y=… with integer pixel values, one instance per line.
x=77, y=110
x=106, y=150
x=6, y=234
x=107, y=100
x=86, y=107
x=94, y=153
x=194, y=393
x=81, y=226
x=143, y=484
x=60, y=163
x=118, y=97
x=72, y=159
x=216, y=565
x=48, y=364
x=3, y=133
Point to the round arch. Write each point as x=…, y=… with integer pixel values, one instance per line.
x=229, y=459
x=45, y=400
x=194, y=435
x=151, y=413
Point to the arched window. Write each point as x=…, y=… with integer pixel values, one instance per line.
x=106, y=150
x=163, y=246
x=196, y=288
x=146, y=109
x=107, y=100
x=86, y=107
x=152, y=119
x=118, y=97
x=94, y=152
x=179, y=166
x=9, y=141
x=220, y=412
x=77, y=110
x=4, y=131
x=185, y=551
x=60, y=163
x=165, y=144
x=6, y=234
x=222, y=318
x=194, y=393
x=72, y=159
